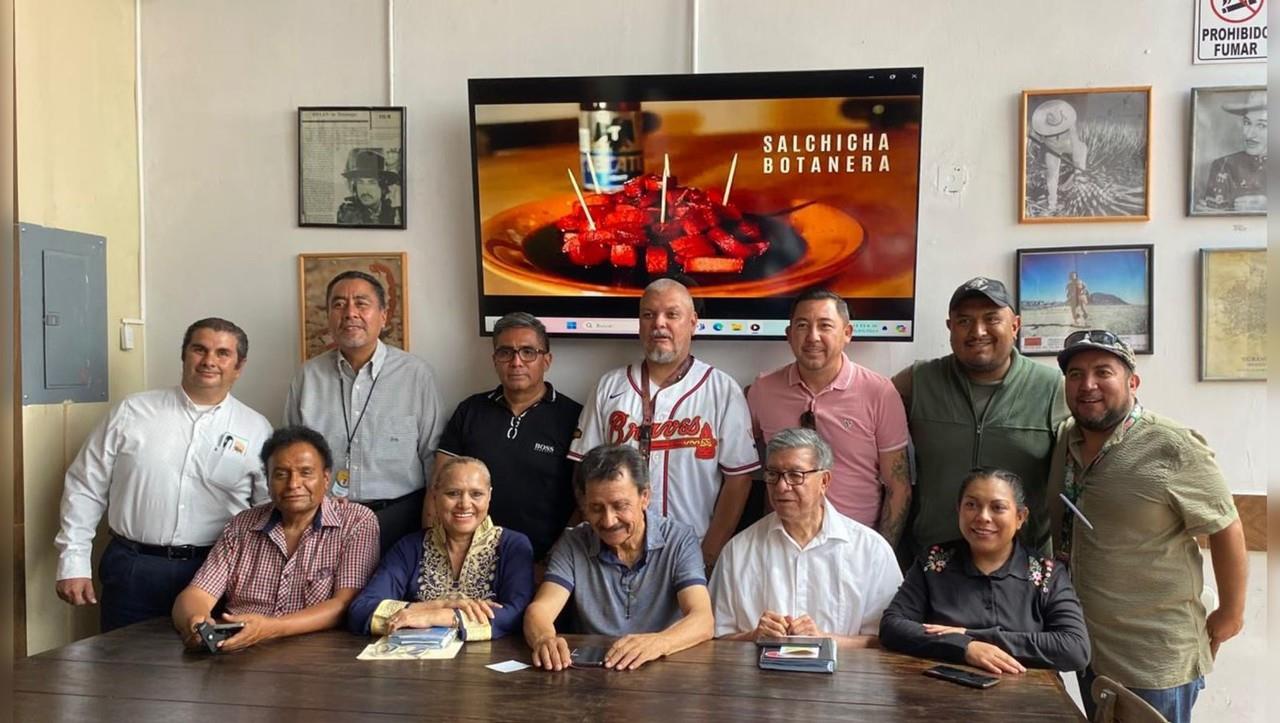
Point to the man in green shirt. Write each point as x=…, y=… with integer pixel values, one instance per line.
x=982, y=405
x=1136, y=488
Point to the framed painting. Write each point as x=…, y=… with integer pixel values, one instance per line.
x=314, y=273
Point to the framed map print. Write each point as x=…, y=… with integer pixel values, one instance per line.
x=1233, y=314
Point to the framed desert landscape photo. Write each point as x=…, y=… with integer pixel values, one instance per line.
x=1086, y=155
x=1061, y=290
x=314, y=273
x=1233, y=314
x=1228, y=173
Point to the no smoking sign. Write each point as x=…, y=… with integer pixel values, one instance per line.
x=1231, y=31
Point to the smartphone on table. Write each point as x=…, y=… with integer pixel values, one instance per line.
x=212, y=634
x=589, y=656
x=961, y=677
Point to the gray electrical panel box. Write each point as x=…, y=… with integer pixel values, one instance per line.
x=64, y=315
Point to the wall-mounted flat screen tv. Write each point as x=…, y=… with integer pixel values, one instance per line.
x=750, y=188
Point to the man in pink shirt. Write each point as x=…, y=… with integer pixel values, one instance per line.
x=857, y=411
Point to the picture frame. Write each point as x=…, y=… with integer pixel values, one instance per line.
x=1227, y=169
x=1112, y=288
x=314, y=273
x=1085, y=155
x=351, y=166
x=1233, y=314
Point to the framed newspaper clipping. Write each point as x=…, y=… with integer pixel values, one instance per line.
x=1233, y=314
x=351, y=166
x=315, y=271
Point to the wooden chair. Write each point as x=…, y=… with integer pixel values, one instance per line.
x=1118, y=704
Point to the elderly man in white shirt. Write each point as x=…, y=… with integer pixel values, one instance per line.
x=804, y=569
x=169, y=467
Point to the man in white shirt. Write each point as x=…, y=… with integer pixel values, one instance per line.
x=688, y=419
x=377, y=407
x=805, y=569
x=170, y=467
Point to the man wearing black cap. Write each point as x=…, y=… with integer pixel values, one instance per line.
x=982, y=405
x=368, y=204
x=1136, y=488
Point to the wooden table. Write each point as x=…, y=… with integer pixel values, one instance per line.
x=141, y=673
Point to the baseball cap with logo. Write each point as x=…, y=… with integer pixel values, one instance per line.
x=1100, y=339
x=981, y=286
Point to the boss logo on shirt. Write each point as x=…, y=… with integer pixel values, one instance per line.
x=544, y=448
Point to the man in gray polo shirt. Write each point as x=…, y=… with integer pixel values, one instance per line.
x=632, y=575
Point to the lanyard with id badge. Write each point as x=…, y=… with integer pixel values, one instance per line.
x=342, y=480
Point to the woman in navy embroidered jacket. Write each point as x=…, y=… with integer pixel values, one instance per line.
x=463, y=571
x=988, y=600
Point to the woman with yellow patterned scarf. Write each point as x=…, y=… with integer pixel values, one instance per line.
x=462, y=572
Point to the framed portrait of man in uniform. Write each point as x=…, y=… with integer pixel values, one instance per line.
x=315, y=271
x=1228, y=174
x=351, y=167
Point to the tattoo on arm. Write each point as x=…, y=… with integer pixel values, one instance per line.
x=897, y=497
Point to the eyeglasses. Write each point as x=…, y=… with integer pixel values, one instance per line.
x=793, y=477
x=528, y=354
x=808, y=420
x=1097, y=336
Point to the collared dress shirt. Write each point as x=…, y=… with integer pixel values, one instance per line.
x=1026, y=607
x=166, y=471
x=843, y=578
x=610, y=598
x=393, y=400
x=859, y=414
x=251, y=567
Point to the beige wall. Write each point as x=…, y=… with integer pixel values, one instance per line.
x=77, y=170
x=8, y=285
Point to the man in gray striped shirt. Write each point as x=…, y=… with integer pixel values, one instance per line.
x=377, y=407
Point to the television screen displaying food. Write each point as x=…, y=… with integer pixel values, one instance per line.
x=749, y=188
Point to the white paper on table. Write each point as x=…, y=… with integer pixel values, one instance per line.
x=383, y=649
x=507, y=666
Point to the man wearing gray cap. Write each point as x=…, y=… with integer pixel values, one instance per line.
x=1136, y=488
x=984, y=404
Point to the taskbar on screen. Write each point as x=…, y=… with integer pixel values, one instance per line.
x=863, y=329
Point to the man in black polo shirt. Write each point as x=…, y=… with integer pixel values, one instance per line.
x=522, y=431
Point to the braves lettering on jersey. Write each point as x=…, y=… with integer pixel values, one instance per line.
x=701, y=429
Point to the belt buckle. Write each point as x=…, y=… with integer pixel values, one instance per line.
x=179, y=552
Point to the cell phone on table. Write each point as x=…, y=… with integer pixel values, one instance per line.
x=961, y=677
x=216, y=633
x=587, y=657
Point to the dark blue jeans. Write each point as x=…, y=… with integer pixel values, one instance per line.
x=1173, y=703
x=137, y=587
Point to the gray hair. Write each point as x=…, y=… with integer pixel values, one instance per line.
x=665, y=284
x=842, y=306
x=448, y=469
x=801, y=438
x=522, y=320
x=607, y=462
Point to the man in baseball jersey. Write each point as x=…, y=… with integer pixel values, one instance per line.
x=688, y=419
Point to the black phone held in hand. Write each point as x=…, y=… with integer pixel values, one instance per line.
x=587, y=657
x=216, y=633
x=961, y=677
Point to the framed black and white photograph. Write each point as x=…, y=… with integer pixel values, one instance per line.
x=1061, y=290
x=351, y=166
x=1228, y=174
x=1086, y=155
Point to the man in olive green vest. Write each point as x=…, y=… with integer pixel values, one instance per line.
x=982, y=405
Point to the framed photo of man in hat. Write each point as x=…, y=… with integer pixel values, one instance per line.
x=1085, y=155
x=351, y=167
x=1228, y=174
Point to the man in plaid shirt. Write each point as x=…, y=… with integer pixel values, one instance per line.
x=290, y=566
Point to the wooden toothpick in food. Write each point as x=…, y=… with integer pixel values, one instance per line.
x=666, y=171
x=595, y=180
x=729, y=184
x=591, y=222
